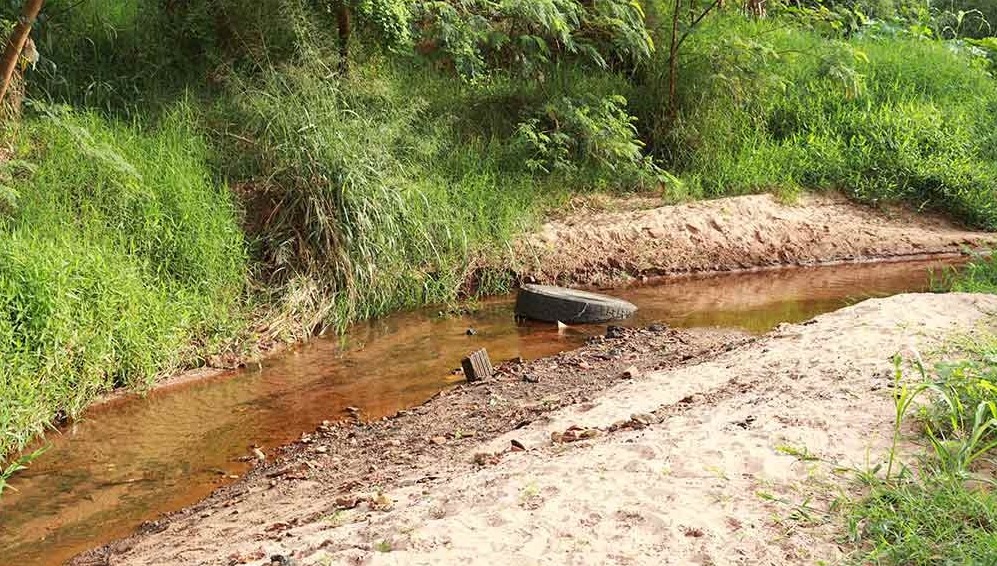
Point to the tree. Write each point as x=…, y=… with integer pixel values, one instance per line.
x=15, y=43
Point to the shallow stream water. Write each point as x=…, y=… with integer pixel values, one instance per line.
x=132, y=459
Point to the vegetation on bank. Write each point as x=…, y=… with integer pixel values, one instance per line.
x=183, y=171
x=943, y=509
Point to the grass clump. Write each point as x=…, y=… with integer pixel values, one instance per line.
x=118, y=257
x=945, y=512
x=978, y=276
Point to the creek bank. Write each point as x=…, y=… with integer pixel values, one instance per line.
x=482, y=474
x=606, y=247
x=602, y=242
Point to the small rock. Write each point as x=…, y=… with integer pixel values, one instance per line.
x=347, y=501
x=631, y=373
x=643, y=419
x=321, y=449
x=517, y=446
x=438, y=440
x=531, y=378
x=619, y=425
x=281, y=560
x=584, y=365
x=470, y=332
x=381, y=502
x=259, y=454
x=613, y=332
x=486, y=459
x=657, y=327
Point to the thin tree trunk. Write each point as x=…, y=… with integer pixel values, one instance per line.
x=673, y=66
x=343, y=23
x=16, y=43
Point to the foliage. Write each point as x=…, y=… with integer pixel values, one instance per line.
x=881, y=120
x=597, y=132
x=117, y=258
x=365, y=191
x=978, y=276
x=941, y=514
x=19, y=464
x=526, y=36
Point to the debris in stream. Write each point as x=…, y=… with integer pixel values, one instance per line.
x=477, y=366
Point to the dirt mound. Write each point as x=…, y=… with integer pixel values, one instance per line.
x=600, y=248
x=713, y=458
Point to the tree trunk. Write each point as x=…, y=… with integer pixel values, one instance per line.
x=755, y=8
x=15, y=43
x=673, y=66
x=343, y=23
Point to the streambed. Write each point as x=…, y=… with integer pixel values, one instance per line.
x=131, y=460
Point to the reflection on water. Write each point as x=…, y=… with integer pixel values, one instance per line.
x=130, y=460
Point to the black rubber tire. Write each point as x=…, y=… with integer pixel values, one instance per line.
x=557, y=304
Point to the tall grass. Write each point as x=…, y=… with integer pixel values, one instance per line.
x=768, y=105
x=118, y=256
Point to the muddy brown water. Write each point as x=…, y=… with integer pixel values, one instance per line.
x=131, y=460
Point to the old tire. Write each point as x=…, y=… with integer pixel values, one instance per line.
x=557, y=304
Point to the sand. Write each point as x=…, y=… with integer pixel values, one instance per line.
x=736, y=466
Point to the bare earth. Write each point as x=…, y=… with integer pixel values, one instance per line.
x=691, y=463
x=750, y=232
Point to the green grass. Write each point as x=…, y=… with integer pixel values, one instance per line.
x=119, y=258
x=930, y=521
x=945, y=511
x=766, y=105
x=978, y=276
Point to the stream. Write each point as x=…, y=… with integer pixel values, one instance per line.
x=132, y=459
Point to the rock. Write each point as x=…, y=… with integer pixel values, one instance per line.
x=531, y=378
x=658, y=327
x=381, y=502
x=347, y=501
x=259, y=454
x=470, y=332
x=438, y=440
x=613, y=332
x=517, y=446
x=584, y=365
x=321, y=449
x=631, y=373
x=643, y=419
x=281, y=560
